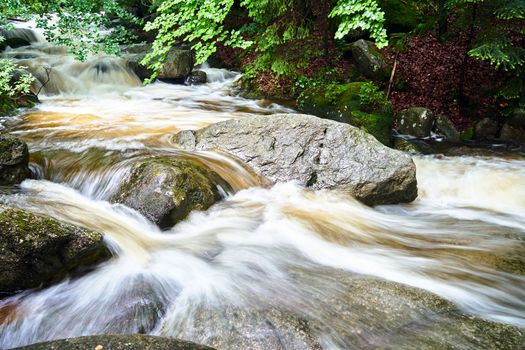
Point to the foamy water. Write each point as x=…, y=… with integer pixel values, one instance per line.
x=350, y=275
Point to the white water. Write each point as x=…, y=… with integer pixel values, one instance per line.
x=262, y=250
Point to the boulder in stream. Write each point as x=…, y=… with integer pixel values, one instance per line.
x=318, y=153
x=14, y=160
x=416, y=121
x=177, y=66
x=37, y=249
x=165, y=190
x=117, y=342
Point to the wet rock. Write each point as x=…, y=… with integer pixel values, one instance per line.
x=369, y=60
x=486, y=129
x=17, y=38
x=165, y=190
x=230, y=327
x=178, y=65
x=447, y=129
x=316, y=152
x=196, y=77
x=344, y=103
x=37, y=249
x=370, y=313
x=134, y=63
x=512, y=133
x=416, y=121
x=413, y=146
x=116, y=342
x=14, y=160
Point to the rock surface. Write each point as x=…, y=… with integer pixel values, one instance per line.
x=486, y=129
x=512, y=133
x=446, y=128
x=14, y=160
x=165, y=190
x=116, y=342
x=196, y=77
x=17, y=38
x=315, y=152
x=37, y=249
x=368, y=60
x=178, y=65
x=416, y=121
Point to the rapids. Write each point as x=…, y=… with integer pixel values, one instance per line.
x=347, y=271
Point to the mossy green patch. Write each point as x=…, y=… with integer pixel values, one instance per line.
x=360, y=104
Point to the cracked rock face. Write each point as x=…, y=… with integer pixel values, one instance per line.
x=318, y=153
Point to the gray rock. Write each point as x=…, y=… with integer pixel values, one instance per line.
x=196, y=77
x=486, y=129
x=165, y=190
x=116, y=342
x=511, y=133
x=231, y=327
x=446, y=128
x=416, y=121
x=316, y=152
x=177, y=67
x=37, y=249
x=14, y=160
x=368, y=60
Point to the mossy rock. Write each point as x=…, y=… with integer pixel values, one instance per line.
x=345, y=103
x=37, y=249
x=14, y=160
x=165, y=190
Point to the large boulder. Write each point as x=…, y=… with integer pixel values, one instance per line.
x=116, y=342
x=14, y=160
x=177, y=66
x=369, y=60
x=316, y=152
x=359, y=104
x=37, y=249
x=165, y=190
x=416, y=121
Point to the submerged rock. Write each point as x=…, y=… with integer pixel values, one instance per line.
x=316, y=152
x=14, y=160
x=37, y=249
x=231, y=327
x=416, y=121
x=165, y=190
x=116, y=342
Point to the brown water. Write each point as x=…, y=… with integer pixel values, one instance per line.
x=265, y=266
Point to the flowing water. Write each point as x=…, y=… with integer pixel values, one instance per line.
x=276, y=267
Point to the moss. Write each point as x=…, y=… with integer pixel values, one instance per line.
x=358, y=103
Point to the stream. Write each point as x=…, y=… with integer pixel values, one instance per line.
x=277, y=267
